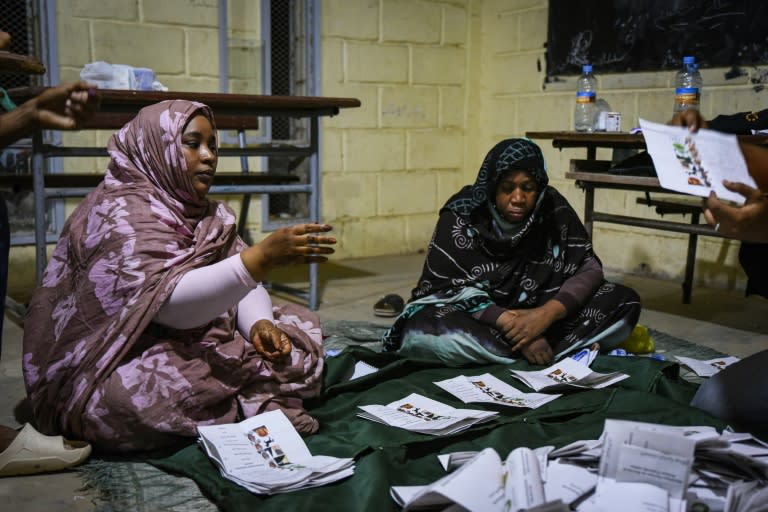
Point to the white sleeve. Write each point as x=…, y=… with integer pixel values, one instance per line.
x=205, y=293
x=255, y=306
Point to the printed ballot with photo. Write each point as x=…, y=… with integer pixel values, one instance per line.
x=709, y=367
x=266, y=455
x=567, y=374
x=696, y=163
x=418, y=413
x=488, y=389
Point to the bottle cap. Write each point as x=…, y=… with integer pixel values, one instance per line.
x=586, y=68
x=689, y=59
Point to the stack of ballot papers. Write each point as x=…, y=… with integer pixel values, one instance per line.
x=484, y=483
x=488, y=389
x=634, y=466
x=709, y=367
x=567, y=374
x=266, y=455
x=418, y=413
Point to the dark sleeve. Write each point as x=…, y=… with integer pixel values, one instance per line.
x=742, y=123
x=580, y=287
x=489, y=315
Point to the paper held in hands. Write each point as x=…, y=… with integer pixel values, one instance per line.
x=696, y=163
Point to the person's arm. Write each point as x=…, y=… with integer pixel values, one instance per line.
x=747, y=222
x=573, y=294
x=66, y=107
x=205, y=293
x=581, y=286
x=756, y=158
x=523, y=326
x=255, y=306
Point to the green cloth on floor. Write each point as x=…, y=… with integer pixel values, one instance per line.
x=387, y=456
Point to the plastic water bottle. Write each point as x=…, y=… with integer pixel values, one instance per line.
x=586, y=89
x=687, y=86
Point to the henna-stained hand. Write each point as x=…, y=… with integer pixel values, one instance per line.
x=300, y=243
x=269, y=341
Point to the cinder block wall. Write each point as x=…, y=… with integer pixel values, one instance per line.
x=516, y=99
x=389, y=165
x=440, y=82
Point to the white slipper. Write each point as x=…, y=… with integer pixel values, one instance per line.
x=31, y=452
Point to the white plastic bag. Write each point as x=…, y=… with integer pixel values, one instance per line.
x=118, y=76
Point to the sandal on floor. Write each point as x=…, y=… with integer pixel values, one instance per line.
x=31, y=452
x=389, y=305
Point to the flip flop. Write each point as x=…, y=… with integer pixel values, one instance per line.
x=31, y=452
x=389, y=305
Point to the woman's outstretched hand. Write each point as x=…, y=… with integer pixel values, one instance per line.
x=269, y=341
x=301, y=243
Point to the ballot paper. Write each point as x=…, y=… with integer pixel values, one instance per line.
x=362, y=369
x=709, y=367
x=418, y=413
x=489, y=389
x=266, y=455
x=567, y=374
x=484, y=483
x=696, y=163
x=634, y=466
x=643, y=452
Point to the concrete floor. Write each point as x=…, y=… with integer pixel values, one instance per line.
x=722, y=319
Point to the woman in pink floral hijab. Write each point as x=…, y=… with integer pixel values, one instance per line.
x=150, y=318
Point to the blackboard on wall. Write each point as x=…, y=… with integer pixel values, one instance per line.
x=651, y=35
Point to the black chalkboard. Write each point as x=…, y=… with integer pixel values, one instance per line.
x=649, y=35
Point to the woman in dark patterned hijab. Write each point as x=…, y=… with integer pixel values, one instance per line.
x=510, y=270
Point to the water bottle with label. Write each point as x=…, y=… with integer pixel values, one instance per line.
x=586, y=90
x=687, y=86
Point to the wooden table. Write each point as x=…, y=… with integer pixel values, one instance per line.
x=238, y=112
x=591, y=175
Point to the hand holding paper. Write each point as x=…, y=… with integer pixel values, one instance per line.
x=696, y=163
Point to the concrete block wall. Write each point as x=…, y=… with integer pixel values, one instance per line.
x=440, y=82
x=176, y=38
x=516, y=98
x=389, y=165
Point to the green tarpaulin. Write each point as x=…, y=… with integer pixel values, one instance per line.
x=387, y=456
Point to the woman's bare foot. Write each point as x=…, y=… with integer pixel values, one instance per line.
x=538, y=351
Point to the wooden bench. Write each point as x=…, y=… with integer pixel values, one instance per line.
x=237, y=112
x=591, y=175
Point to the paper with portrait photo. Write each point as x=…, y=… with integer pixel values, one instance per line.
x=696, y=163
x=709, y=367
x=567, y=374
x=266, y=455
x=418, y=413
x=489, y=389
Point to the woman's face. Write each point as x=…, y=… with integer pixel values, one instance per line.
x=516, y=196
x=198, y=143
